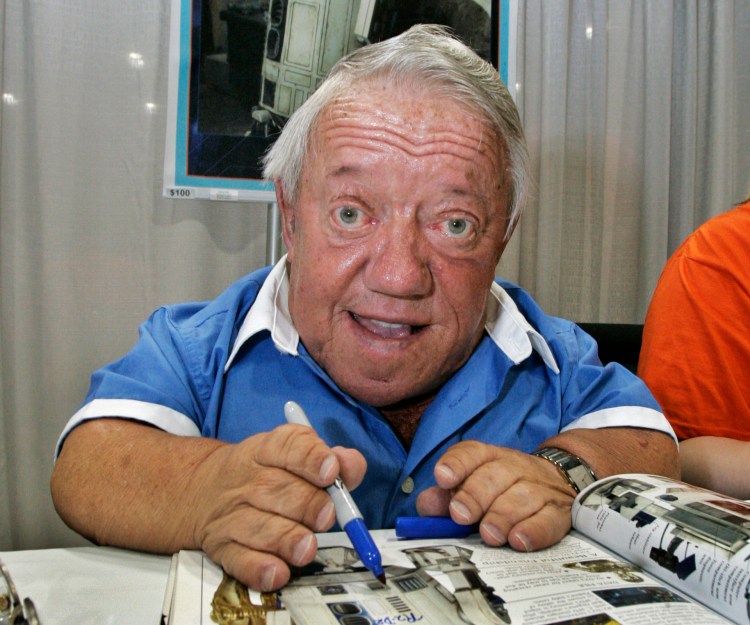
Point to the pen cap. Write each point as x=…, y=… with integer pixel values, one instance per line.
x=431, y=527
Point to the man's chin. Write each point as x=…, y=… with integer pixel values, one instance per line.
x=381, y=393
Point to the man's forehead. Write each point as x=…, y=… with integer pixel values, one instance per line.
x=417, y=123
x=418, y=109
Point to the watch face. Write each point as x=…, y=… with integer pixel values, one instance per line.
x=577, y=472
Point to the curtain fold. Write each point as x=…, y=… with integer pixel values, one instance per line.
x=5, y=472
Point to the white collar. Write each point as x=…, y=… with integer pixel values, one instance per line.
x=270, y=311
x=511, y=332
x=505, y=324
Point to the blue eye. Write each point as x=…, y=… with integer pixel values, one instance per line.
x=457, y=227
x=348, y=215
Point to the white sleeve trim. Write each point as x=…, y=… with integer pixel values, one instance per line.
x=624, y=416
x=157, y=415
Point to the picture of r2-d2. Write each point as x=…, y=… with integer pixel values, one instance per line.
x=304, y=39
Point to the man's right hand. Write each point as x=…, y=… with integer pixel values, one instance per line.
x=269, y=501
x=252, y=507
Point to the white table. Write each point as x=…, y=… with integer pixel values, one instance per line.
x=91, y=585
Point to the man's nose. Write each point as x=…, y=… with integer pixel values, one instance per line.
x=399, y=263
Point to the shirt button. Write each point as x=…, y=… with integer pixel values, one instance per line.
x=407, y=486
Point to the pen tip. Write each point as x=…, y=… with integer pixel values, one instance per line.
x=381, y=578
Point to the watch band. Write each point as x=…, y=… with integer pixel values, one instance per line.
x=578, y=474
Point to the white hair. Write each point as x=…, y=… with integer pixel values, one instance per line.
x=424, y=55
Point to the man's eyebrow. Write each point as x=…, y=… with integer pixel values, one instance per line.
x=343, y=170
x=469, y=191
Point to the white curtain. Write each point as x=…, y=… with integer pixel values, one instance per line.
x=638, y=126
x=637, y=119
x=88, y=246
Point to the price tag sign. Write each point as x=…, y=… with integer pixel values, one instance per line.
x=214, y=145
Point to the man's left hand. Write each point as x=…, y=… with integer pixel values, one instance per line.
x=516, y=498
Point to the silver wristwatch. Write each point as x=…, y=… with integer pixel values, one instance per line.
x=575, y=470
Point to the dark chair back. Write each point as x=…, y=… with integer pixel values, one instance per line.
x=618, y=342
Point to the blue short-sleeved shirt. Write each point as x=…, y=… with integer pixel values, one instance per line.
x=225, y=368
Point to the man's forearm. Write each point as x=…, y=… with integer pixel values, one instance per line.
x=138, y=489
x=252, y=506
x=609, y=451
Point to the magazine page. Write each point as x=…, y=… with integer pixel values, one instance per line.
x=693, y=539
x=454, y=581
x=465, y=581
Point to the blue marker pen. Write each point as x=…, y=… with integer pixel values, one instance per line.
x=432, y=527
x=347, y=514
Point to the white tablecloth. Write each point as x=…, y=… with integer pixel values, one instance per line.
x=91, y=585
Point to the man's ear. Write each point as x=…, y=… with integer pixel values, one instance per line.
x=286, y=210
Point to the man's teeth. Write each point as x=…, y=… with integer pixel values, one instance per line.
x=386, y=324
x=387, y=329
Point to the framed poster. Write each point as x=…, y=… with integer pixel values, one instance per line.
x=237, y=71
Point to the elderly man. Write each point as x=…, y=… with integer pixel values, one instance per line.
x=399, y=183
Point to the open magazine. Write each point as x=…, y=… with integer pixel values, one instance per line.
x=644, y=550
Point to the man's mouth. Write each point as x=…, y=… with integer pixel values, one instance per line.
x=387, y=329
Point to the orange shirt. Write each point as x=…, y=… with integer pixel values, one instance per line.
x=695, y=355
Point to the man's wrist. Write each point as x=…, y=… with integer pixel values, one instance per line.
x=577, y=473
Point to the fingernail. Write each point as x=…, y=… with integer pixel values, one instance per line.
x=446, y=472
x=459, y=512
x=496, y=536
x=327, y=468
x=523, y=540
x=325, y=517
x=268, y=578
x=302, y=549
